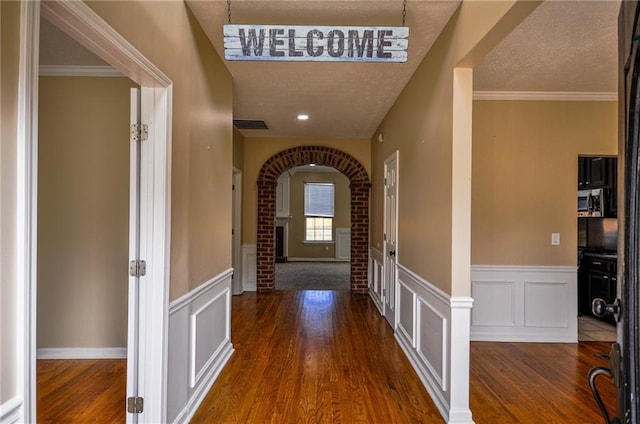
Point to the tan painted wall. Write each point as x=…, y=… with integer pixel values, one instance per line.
x=83, y=211
x=202, y=145
x=238, y=149
x=9, y=41
x=342, y=218
x=420, y=126
x=525, y=167
x=258, y=150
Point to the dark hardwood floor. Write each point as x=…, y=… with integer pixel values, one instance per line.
x=314, y=357
x=329, y=357
x=81, y=390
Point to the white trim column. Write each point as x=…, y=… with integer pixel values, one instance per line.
x=26, y=206
x=459, y=411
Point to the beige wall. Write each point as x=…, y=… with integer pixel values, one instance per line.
x=83, y=212
x=9, y=41
x=258, y=150
x=420, y=126
x=525, y=167
x=238, y=149
x=342, y=218
x=202, y=143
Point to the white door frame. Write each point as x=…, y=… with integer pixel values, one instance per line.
x=390, y=295
x=85, y=26
x=237, y=231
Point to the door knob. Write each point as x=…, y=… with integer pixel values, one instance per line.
x=392, y=253
x=600, y=308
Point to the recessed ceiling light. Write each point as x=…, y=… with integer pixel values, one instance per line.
x=312, y=164
x=303, y=117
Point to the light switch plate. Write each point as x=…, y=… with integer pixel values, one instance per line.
x=555, y=239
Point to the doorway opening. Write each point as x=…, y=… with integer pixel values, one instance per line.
x=83, y=232
x=359, y=186
x=313, y=229
x=91, y=31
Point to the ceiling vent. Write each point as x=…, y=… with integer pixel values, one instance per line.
x=248, y=124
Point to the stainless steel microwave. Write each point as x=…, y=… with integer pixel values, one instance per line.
x=591, y=203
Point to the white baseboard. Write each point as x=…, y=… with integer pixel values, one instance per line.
x=199, y=345
x=11, y=411
x=524, y=303
x=81, y=353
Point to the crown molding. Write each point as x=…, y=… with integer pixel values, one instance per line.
x=78, y=71
x=547, y=95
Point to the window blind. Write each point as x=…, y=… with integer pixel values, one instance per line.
x=318, y=199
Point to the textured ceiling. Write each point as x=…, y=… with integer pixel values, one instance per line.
x=563, y=46
x=344, y=100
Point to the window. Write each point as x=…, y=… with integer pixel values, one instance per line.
x=318, y=211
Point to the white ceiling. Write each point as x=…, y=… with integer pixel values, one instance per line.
x=563, y=46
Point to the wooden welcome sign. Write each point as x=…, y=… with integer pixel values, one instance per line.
x=316, y=43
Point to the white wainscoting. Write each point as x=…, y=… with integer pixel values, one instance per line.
x=11, y=411
x=376, y=276
x=249, y=267
x=424, y=328
x=343, y=244
x=524, y=303
x=199, y=345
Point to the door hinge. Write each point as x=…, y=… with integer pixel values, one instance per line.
x=233, y=187
x=384, y=237
x=139, y=132
x=135, y=405
x=137, y=268
x=233, y=231
x=385, y=181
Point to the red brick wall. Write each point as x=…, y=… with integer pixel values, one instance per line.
x=267, y=183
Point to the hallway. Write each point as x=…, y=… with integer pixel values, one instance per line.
x=321, y=356
x=314, y=356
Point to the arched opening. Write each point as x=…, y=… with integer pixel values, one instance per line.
x=359, y=185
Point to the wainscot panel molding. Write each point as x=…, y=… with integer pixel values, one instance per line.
x=10, y=411
x=199, y=345
x=79, y=71
x=433, y=330
x=82, y=353
x=524, y=303
x=376, y=274
x=249, y=267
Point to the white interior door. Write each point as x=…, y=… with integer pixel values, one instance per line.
x=390, y=237
x=136, y=266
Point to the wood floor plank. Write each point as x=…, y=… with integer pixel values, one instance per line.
x=531, y=382
x=81, y=391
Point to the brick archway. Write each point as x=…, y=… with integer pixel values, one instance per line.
x=267, y=183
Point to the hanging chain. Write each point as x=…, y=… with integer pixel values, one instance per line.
x=404, y=12
x=229, y=11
